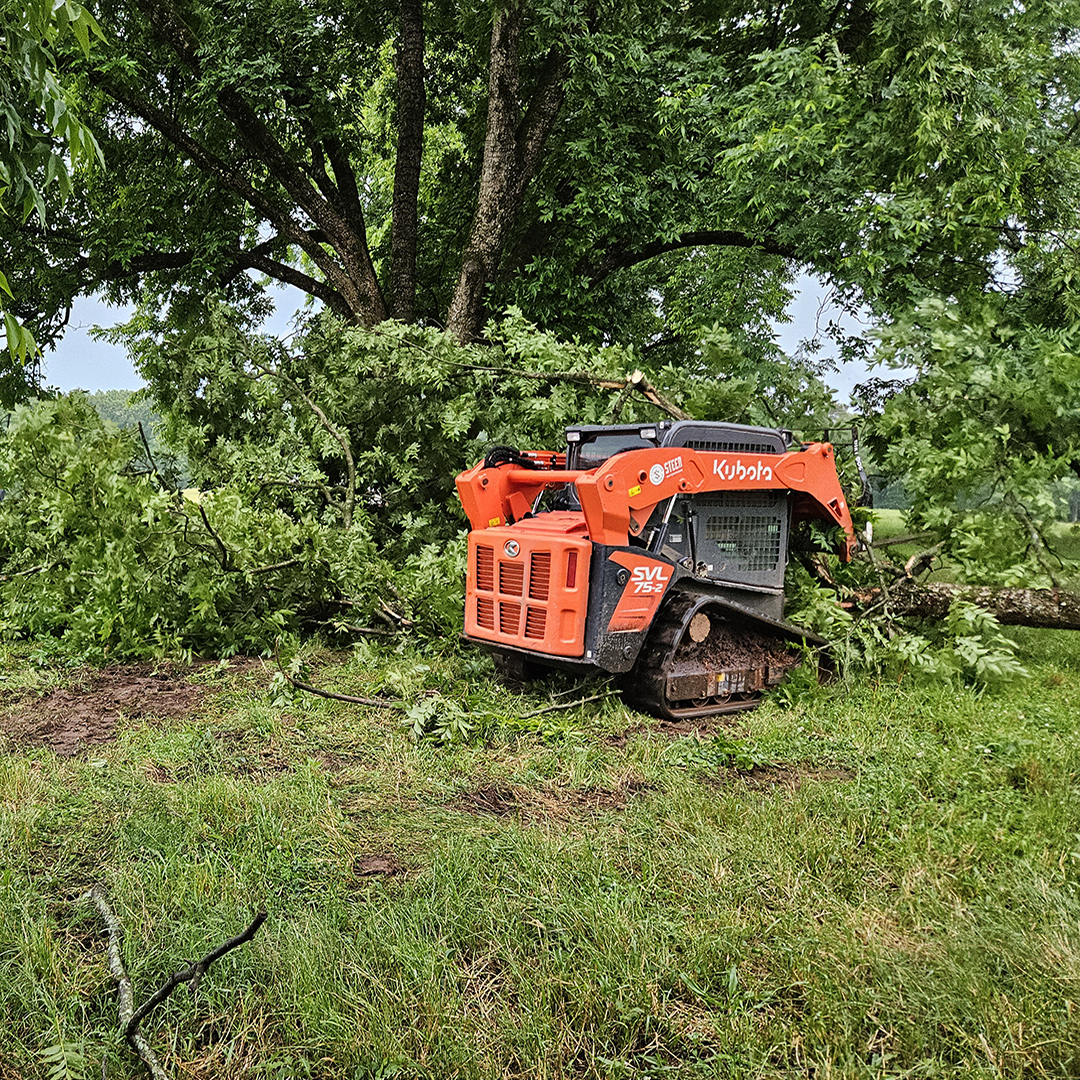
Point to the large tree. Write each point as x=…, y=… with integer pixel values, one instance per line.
x=435, y=162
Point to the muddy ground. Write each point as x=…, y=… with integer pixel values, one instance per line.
x=87, y=713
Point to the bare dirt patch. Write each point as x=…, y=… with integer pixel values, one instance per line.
x=86, y=714
x=532, y=804
x=770, y=777
x=376, y=866
x=728, y=723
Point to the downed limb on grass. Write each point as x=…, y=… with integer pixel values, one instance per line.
x=130, y=1017
x=568, y=705
x=123, y=985
x=380, y=703
x=193, y=974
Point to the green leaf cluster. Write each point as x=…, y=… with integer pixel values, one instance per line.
x=986, y=424
x=968, y=646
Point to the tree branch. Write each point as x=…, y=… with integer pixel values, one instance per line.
x=290, y=275
x=620, y=257
x=568, y=705
x=193, y=974
x=123, y=985
x=380, y=703
x=535, y=127
x=1046, y=608
x=225, y=559
x=354, y=276
x=337, y=436
x=234, y=180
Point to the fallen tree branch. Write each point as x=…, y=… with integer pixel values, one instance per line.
x=283, y=565
x=350, y=628
x=569, y=705
x=395, y=615
x=149, y=456
x=193, y=974
x=650, y=393
x=379, y=703
x=921, y=561
x=1052, y=609
x=29, y=571
x=123, y=985
x=226, y=561
x=908, y=538
x=130, y=1017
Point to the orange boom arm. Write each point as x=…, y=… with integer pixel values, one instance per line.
x=618, y=497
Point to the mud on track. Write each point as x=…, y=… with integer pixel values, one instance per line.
x=85, y=714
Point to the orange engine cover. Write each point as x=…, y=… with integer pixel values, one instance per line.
x=527, y=584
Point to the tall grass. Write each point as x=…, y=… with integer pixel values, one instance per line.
x=896, y=894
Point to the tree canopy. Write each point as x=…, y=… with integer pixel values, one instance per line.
x=616, y=171
x=607, y=174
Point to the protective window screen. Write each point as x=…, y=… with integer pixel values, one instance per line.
x=750, y=542
x=743, y=536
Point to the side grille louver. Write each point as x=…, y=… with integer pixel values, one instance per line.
x=509, y=618
x=511, y=578
x=540, y=575
x=485, y=569
x=535, y=623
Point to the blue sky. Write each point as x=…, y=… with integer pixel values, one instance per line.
x=81, y=363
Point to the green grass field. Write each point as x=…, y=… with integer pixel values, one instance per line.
x=880, y=881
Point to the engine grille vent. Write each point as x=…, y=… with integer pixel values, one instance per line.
x=535, y=623
x=527, y=589
x=731, y=447
x=511, y=578
x=485, y=568
x=509, y=618
x=539, y=576
x=747, y=543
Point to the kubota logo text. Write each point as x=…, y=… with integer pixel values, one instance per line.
x=651, y=579
x=736, y=470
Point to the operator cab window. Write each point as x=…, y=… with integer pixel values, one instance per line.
x=594, y=450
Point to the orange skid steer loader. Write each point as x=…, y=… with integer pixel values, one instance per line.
x=652, y=551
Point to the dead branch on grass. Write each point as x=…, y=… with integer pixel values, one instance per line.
x=130, y=1017
x=193, y=974
x=123, y=985
x=569, y=705
x=379, y=703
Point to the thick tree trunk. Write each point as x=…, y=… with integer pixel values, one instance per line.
x=1048, y=608
x=409, y=63
x=512, y=153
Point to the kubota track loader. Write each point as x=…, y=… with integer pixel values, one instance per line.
x=654, y=551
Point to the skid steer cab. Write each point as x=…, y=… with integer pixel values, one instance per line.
x=653, y=551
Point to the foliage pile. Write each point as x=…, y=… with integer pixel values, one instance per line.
x=322, y=473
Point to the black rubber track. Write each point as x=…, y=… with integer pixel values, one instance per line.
x=645, y=687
